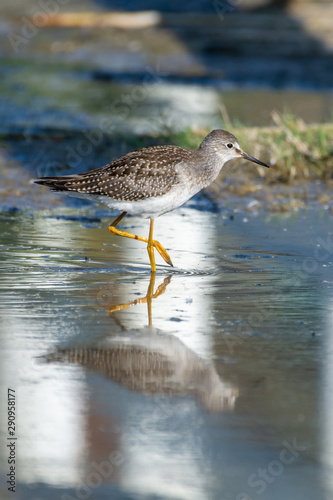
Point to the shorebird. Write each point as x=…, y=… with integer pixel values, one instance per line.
x=152, y=181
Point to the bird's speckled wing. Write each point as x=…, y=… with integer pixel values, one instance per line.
x=144, y=173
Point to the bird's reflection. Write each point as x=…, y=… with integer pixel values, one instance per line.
x=152, y=362
x=145, y=300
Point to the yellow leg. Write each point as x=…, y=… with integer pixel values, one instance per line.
x=151, y=243
x=150, y=248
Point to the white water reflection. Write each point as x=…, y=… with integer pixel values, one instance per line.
x=175, y=469
x=49, y=408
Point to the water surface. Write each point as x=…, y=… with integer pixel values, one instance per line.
x=228, y=394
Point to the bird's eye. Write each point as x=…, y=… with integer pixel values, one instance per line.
x=230, y=145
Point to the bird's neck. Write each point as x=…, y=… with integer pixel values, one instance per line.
x=202, y=170
x=212, y=164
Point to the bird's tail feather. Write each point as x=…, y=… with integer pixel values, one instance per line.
x=57, y=183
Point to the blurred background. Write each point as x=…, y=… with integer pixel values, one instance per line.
x=63, y=60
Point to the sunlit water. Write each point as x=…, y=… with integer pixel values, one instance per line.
x=228, y=395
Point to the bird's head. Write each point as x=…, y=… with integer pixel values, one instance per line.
x=226, y=146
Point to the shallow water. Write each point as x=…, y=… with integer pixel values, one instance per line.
x=228, y=394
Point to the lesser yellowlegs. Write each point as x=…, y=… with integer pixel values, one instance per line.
x=152, y=181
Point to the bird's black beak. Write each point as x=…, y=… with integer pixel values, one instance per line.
x=252, y=158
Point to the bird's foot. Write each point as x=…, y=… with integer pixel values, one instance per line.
x=163, y=253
